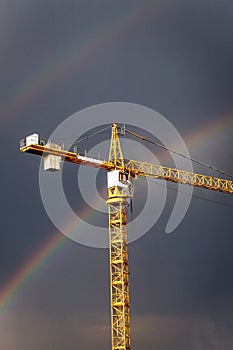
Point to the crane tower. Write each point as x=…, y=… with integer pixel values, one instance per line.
x=120, y=174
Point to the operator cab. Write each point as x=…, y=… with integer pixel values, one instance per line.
x=117, y=178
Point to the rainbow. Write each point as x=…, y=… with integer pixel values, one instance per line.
x=36, y=260
x=211, y=131
x=40, y=257
x=70, y=61
x=34, y=263
x=29, y=267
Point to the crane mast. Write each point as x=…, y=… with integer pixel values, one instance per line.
x=120, y=191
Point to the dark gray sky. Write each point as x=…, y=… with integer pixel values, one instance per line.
x=58, y=57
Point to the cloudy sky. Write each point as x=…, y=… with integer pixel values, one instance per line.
x=58, y=57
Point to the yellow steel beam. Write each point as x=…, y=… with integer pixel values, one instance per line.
x=67, y=156
x=136, y=168
x=118, y=247
x=119, y=269
x=115, y=152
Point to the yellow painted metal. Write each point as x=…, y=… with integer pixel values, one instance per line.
x=117, y=209
x=118, y=247
x=67, y=156
x=136, y=168
x=115, y=152
x=119, y=269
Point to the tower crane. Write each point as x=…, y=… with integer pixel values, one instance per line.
x=120, y=174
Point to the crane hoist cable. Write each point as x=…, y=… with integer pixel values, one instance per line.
x=178, y=153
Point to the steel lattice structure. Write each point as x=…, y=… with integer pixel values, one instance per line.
x=120, y=192
x=119, y=271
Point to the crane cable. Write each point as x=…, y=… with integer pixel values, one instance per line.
x=83, y=138
x=91, y=135
x=178, y=153
x=188, y=194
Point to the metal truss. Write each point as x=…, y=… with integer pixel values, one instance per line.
x=118, y=198
x=119, y=270
x=136, y=168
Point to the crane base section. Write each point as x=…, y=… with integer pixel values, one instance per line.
x=119, y=270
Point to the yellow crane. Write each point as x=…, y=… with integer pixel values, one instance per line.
x=120, y=191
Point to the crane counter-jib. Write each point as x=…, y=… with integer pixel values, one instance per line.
x=67, y=156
